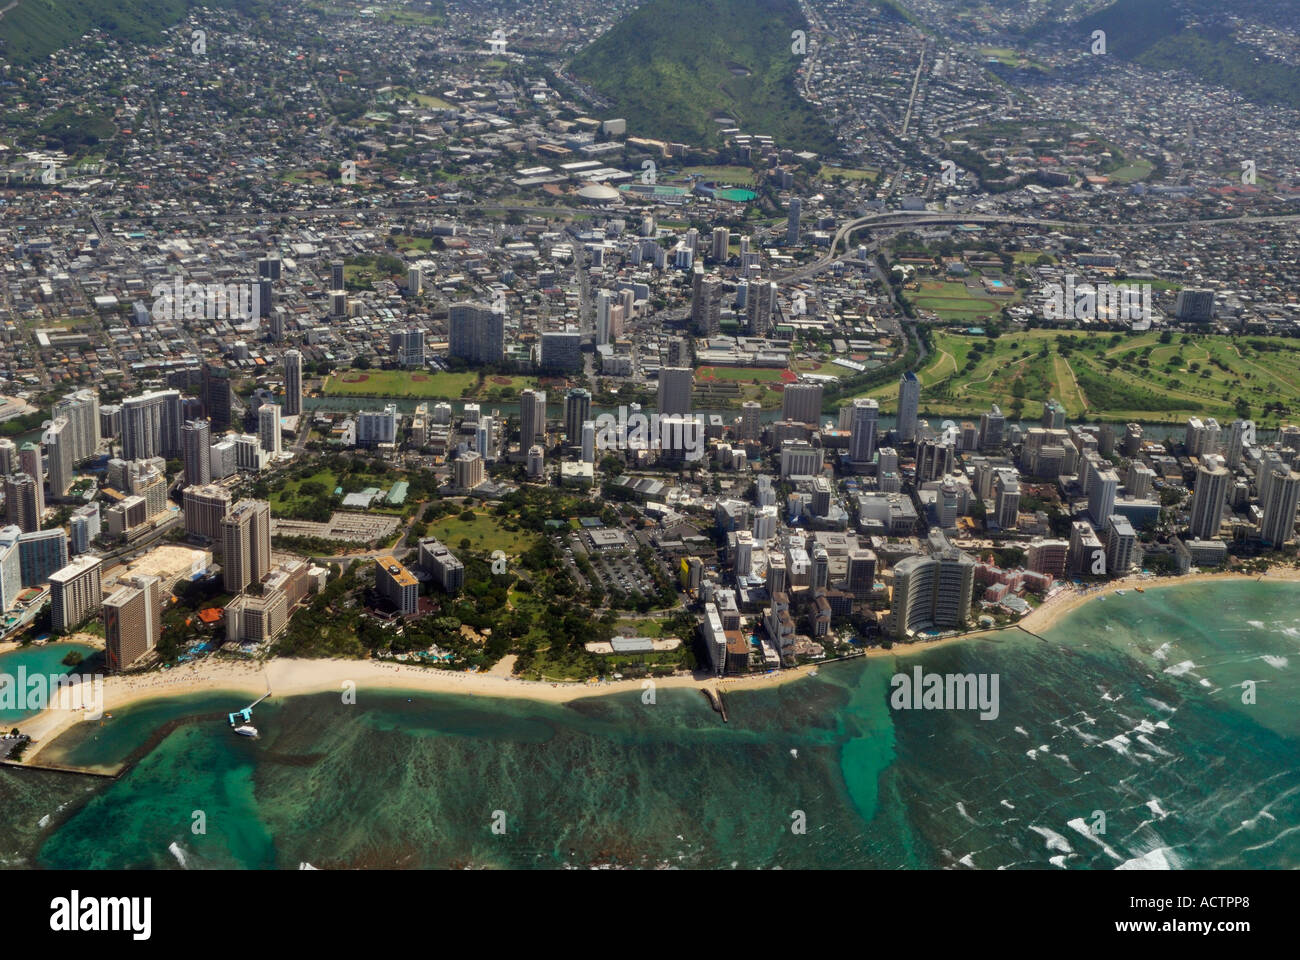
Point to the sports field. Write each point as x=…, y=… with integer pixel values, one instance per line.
x=399, y=383
x=953, y=301
x=739, y=176
x=743, y=374
x=848, y=173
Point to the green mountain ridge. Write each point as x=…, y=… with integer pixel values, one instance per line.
x=36, y=28
x=672, y=67
x=1190, y=36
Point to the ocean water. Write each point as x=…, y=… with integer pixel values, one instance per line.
x=1124, y=739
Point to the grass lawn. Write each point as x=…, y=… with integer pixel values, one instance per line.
x=1115, y=377
x=1139, y=169
x=953, y=301
x=414, y=17
x=643, y=628
x=407, y=242
x=1009, y=57
x=744, y=374
x=848, y=173
x=399, y=383
x=492, y=386
x=284, y=499
x=485, y=533
x=739, y=176
x=424, y=100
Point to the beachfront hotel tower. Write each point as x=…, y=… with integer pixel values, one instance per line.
x=1277, y=525
x=1212, y=482
x=931, y=592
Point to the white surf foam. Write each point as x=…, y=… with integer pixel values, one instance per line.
x=1160, y=858
x=175, y=850
x=1054, y=840
x=1081, y=827
x=1146, y=742
x=1119, y=743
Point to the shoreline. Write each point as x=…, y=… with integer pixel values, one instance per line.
x=299, y=677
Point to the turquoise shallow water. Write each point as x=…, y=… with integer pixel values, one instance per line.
x=46, y=660
x=1131, y=709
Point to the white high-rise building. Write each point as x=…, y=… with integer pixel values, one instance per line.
x=84, y=526
x=1277, y=525
x=931, y=592
x=81, y=410
x=376, y=427
x=11, y=571
x=1101, y=498
x=485, y=438
x=1212, y=483
x=407, y=347
x=59, y=452
x=196, y=445
x=862, y=438
x=744, y=561
x=1121, y=544
x=249, y=454
x=532, y=418
x=536, y=462
x=223, y=458
x=268, y=428
x=151, y=425
x=1006, y=495
x=589, y=441
x=75, y=593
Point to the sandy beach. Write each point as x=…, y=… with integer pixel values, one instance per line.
x=1057, y=605
x=292, y=677
x=89, y=639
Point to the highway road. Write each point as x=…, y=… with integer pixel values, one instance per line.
x=904, y=218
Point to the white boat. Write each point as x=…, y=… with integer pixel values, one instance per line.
x=1120, y=593
x=246, y=730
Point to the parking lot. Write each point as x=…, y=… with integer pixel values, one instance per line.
x=614, y=569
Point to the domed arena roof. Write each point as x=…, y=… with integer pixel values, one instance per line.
x=597, y=193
